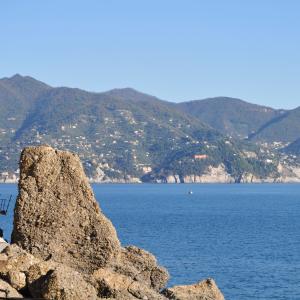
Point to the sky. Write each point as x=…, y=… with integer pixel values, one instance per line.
x=175, y=50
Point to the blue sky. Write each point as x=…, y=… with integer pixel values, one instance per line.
x=176, y=50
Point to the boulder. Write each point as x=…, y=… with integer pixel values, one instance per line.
x=16, y=259
x=56, y=214
x=141, y=265
x=204, y=290
x=7, y=291
x=117, y=286
x=63, y=283
x=36, y=274
x=14, y=262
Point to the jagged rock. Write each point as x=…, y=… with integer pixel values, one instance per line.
x=56, y=214
x=7, y=291
x=14, y=262
x=63, y=283
x=140, y=292
x=16, y=259
x=117, y=286
x=141, y=265
x=204, y=290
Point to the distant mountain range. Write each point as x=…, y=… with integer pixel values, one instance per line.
x=126, y=135
x=230, y=116
x=244, y=120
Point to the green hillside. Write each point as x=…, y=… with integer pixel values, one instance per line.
x=284, y=128
x=230, y=116
x=122, y=133
x=17, y=95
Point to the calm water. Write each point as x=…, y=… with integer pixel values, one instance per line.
x=247, y=237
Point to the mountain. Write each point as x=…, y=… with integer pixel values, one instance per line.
x=240, y=119
x=121, y=131
x=283, y=128
x=127, y=135
x=132, y=95
x=17, y=95
x=24, y=87
x=233, y=117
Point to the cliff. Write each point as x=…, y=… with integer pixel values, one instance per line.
x=284, y=174
x=64, y=247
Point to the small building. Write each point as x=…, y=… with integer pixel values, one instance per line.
x=146, y=169
x=200, y=156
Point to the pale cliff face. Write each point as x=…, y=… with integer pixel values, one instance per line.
x=288, y=174
x=211, y=175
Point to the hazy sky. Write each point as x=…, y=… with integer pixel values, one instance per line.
x=176, y=50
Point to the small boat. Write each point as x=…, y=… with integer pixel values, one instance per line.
x=190, y=192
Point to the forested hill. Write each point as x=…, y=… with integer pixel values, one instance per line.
x=124, y=133
x=240, y=119
x=231, y=116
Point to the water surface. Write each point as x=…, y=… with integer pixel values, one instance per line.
x=244, y=236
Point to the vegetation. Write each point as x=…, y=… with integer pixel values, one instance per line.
x=233, y=117
x=127, y=133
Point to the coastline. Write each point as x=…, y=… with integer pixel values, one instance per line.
x=212, y=175
x=176, y=183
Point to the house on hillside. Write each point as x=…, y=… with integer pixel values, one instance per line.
x=200, y=156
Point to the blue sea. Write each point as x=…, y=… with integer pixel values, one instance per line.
x=246, y=237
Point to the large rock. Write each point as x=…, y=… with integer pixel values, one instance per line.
x=204, y=290
x=141, y=266
x=36, y=274
x=63, y=283
x=117, y=286
x=56, y=214
x=58, y=220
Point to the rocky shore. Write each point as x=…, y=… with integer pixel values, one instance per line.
x=64, y=248
x=285, y=174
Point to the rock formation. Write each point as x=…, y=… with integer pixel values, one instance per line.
x=56, y=214
x=62, y=283
x=204, y=290
x=65, y=248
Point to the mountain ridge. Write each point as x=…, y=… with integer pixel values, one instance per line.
x=124, y=133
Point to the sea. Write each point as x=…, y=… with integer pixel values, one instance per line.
x=245, y=236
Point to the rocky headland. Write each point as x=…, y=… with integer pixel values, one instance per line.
x=284, y=174
x=64, y=248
